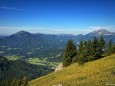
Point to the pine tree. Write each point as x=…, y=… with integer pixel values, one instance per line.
x=70, y=52
x=82, y=52
x=89, y=50
x=85, y=51
x=113, y=48
x=81, y=59
x=80, y=47
x=96, y=49
x=109, y=48
x=9, y=82
x=102, y=45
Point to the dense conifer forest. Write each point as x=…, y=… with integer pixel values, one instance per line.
x=87, y=50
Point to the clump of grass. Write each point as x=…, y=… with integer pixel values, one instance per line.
x=112, y=71
x=81, y=78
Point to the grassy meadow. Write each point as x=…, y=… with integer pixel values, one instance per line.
x=42, y=62
x=35, y=61
x=96, y=73
x=12, y=57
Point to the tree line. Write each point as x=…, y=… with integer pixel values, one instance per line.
x=87, y=51
x=15, y=82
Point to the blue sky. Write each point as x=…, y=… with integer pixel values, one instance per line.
x=56, y=16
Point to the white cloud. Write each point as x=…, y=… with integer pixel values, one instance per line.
x=109, y=28
x=49, y=30
x=54, y=30
x=11, y=30
x=11, y=8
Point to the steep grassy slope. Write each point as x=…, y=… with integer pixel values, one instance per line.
x=96, y=73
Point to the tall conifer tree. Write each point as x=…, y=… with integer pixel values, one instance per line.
x=102, y=44
x=109, y=47
x=82, y=52
x=96, y=49
x=70, y=52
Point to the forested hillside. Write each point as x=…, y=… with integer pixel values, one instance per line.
x=18, y=69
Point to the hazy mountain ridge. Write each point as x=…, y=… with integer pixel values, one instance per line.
x=26, y=44
x=38, y=47
x=101, y=32
x=2, y=36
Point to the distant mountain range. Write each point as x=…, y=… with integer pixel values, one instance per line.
x=25, y=44
x=1, y=36
x=45, y=47
x=102, y=32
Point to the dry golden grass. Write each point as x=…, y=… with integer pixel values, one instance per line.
x=96, y=73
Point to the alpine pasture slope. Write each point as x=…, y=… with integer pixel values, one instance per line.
x=96, y=73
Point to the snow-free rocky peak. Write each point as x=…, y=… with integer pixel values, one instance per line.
x=101, y=32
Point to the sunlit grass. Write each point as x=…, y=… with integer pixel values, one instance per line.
x=1, y=52
x=12, y=57
x=42, y=62
x=35, y=61
x=95, y=73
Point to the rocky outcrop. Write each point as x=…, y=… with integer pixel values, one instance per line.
x=57, y=85
x=60, y=66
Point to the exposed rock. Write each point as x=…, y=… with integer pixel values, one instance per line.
x=60, y=66
x=57, y=85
